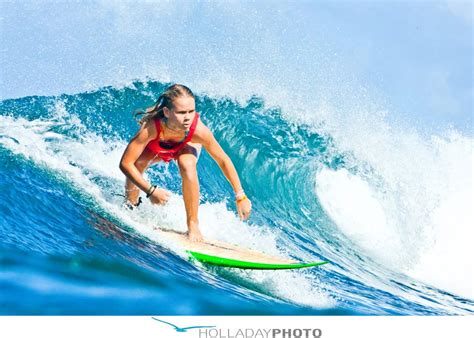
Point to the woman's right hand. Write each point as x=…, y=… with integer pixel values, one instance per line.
x=160, y=196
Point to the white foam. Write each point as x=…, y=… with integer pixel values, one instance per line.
x=82, y=158
x=413, y=209
x=446, y=263
x=352, y=205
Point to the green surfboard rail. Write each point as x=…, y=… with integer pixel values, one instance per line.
x=233, y=263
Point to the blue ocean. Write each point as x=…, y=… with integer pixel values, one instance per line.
x=394, y=225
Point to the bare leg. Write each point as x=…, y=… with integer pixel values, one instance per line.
x=187, y=161
x=144, y=161
x=131, y=191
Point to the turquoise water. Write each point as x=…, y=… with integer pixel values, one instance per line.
x=68, y=247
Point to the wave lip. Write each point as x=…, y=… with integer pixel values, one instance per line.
x=359, y=212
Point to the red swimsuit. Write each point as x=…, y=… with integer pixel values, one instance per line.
x=169, y=150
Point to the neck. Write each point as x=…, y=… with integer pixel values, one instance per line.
x=170, y=128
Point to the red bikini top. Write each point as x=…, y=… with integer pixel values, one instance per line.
x=167, y=150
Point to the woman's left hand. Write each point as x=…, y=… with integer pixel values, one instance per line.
x=243, y=208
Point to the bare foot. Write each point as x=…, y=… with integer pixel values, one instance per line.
x=195, y=235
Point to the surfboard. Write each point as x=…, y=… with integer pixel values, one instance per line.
x=232, y=256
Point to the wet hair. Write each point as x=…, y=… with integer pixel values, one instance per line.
x=165, y=100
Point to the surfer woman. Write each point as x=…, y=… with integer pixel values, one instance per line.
x=172, y=130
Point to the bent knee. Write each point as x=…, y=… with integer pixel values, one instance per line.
x=187, y=165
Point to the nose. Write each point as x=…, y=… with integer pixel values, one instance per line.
x=187, y=117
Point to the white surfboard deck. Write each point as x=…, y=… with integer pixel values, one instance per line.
x=221, y=249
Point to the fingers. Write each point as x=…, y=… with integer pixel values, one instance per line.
x=244, y=210
x=159, y=200
x=165, y=192
x=162, y=198
x=241, y=214
x=247, y=212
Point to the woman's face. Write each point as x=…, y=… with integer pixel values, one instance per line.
x=182, y=114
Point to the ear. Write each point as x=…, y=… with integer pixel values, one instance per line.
x=166, y=112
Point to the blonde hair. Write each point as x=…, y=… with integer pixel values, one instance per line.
x=165, y=100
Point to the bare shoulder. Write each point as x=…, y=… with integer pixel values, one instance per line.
x=147, y=132
x=202, y=134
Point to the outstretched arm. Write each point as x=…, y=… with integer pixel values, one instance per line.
x=207, y=139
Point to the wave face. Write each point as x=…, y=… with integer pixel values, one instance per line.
x=389, y=209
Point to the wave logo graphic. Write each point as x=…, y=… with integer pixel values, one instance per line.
x=182, y=329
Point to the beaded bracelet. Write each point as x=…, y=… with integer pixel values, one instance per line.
x=150, y=191
x=239, y=194
x=244, y=197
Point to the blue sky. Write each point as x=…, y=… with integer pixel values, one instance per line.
x=413, y=58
